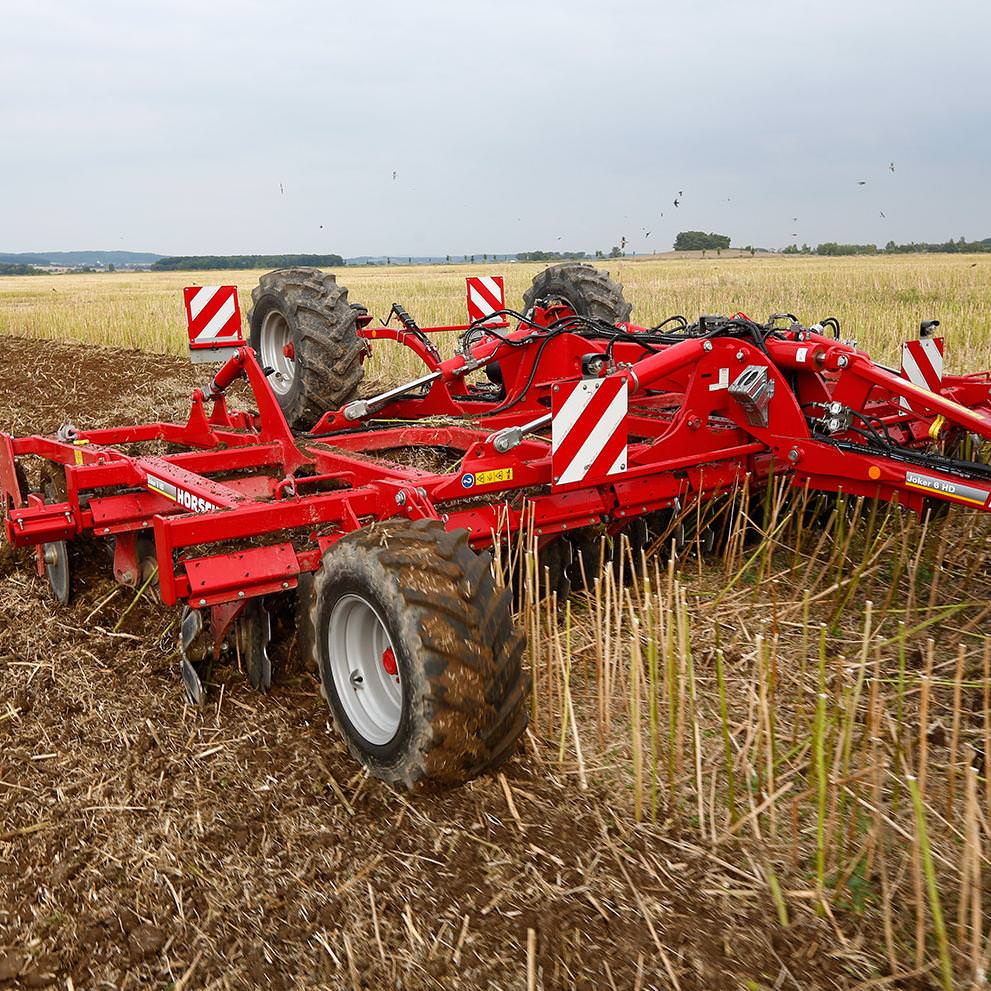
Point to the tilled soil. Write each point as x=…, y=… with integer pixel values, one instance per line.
x=147, y=844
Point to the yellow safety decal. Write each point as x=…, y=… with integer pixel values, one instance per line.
x=79, y=456
x=493, y=476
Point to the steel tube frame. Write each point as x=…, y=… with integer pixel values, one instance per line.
x=237, y=479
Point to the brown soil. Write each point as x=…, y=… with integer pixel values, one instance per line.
x=145, y=844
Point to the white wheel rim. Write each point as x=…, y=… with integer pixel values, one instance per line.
x=276, y=336
x=365, y=670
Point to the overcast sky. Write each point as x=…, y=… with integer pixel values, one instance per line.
x=511, y=125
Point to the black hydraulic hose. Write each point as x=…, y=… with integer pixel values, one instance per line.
x=962, y=469
x=831, y=322
x=594, y=329
x=677, y=316
x=529, y=381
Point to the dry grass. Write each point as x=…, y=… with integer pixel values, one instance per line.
x=818, y=694
x=879, y=300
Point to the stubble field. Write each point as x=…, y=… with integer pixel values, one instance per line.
x=879, y=301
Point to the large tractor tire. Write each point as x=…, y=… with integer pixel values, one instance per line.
x=304, y=329
x=587, y=290
x=418, y=655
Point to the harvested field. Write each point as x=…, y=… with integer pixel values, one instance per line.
x=879, y=300
x=144, y=844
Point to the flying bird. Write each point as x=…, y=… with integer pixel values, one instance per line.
x=861, y=182
x=282, y=189
x=891, y=167
x=882, y=214
x=647, y=235
x=394, y=175
x=622, y=243
x=680, y=193
x=675, y=202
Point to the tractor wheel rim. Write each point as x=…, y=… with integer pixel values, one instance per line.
x=361, y=655
x=276, y=336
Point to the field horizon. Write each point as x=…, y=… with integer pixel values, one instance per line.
x=879, y=300
x=756, y=765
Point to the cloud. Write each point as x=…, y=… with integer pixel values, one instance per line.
x=509, y=123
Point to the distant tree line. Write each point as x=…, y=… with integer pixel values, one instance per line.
x=831, y=248
x=685, y=241
x=550, y=256
x=23, y=259
x=8, y=269
x=189, y=263
x=960, y=246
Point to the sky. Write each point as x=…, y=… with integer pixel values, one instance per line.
x=456, y=127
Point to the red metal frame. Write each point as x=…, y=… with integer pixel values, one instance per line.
x=246, y=507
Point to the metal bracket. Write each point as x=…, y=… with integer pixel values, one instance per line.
x=753, y=389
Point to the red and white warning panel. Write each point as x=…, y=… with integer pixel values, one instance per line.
x=213, y=317
x=589, y=430
x=486, y=295
x=922, y=365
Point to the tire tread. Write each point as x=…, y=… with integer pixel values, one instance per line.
x=329, y=353
x=474, y=705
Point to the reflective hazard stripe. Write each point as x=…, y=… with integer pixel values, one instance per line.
x=922, y=365
x=486, y=295
x=588, y=430
x=212, y=316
